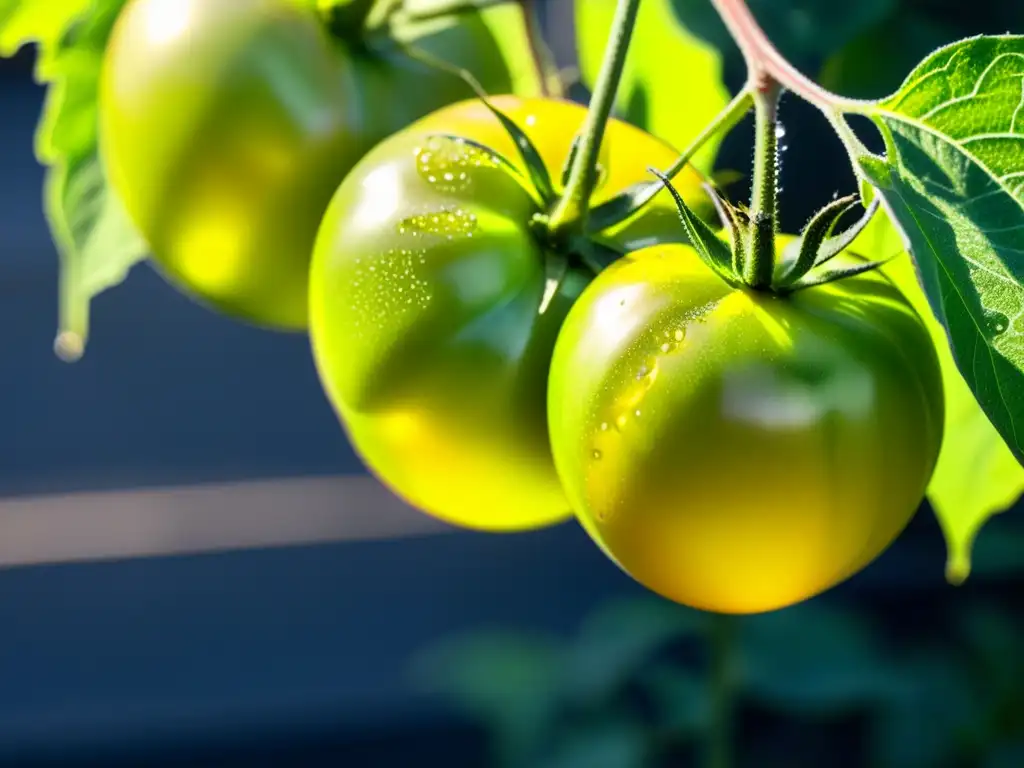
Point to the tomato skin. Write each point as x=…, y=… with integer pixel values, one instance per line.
x=425, y=322
x=733, y=450
x=226, y=127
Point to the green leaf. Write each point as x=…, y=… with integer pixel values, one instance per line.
x=955, y=184
x=619, y=640
x=510, y=682
x=96, y=241
x=31, y=21
x=673, y=77
x=809, y=658
x=977, y=475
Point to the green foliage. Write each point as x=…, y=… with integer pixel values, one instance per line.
x=947, y=702
x=952, y=181
x=649, y=94
x=803, y=30
x=977, y=475
x=95, y=239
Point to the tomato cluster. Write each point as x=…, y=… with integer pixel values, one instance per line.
x=733, y=446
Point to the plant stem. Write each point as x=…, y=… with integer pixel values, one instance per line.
x=724, y=122
x=572, y=207
x=766, y=64
x=719, y=752
x=760, y=262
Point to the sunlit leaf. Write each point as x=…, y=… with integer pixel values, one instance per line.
x=96, y=241
x=672, y=79
x=977, y=475
x=953, y=178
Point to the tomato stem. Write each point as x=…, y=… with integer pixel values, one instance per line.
x=759, y=265
x=572, y=208
x=721, y=680
x=765, y=63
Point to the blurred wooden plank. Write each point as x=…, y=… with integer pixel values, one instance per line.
x=208, y=518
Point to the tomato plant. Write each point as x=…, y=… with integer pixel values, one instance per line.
x=451, y=237
x=435, y=302
x=226, y=127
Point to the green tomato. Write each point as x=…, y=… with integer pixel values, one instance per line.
x=430, y=318
x=226, y=126
x=738, y=451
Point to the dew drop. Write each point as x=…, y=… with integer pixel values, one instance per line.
x=780, y=130
x=596, y=454
x=620, y=423
x=996, y=322
x=604, y=426
x=679, y=335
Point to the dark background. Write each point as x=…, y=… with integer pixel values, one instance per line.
x=300, y=655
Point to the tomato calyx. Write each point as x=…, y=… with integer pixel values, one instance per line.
x=748, y=259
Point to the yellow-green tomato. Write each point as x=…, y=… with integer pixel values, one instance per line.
x=431, y=316
x=226, y=126
x=738, y=451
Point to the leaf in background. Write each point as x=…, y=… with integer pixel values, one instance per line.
x=673, y=78
x=953, y=179
x=96, y=241
x=977, y=476
x=36, y=21
x=811, y=659
x=511, y=682
x=803, y=30
x=612, y=743
x=619, y=640
x=875, y=62
x=680, y=699
x=923, y=726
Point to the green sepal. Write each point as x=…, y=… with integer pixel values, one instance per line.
x=717, y=255
x=826, y=275
x=556, y=267
x=813, y=237
x=836, y=245
x=729, y=215
x=527, y=150
x=503, y=162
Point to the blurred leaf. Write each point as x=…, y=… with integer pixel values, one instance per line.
x=619, y=639
x=95, y=239
x=606, y=744
x=510, y=682
x=680, y=698
x=507, y=23
x=672, y=80
x=803, y=30
x=924, y=724
x=808, y=658
x=1006, y=756
x=873, y=64
x=36, y=21
x=977, y=475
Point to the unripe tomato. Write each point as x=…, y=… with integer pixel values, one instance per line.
x=226, y=126
x=739, y=451
x=426, y=296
